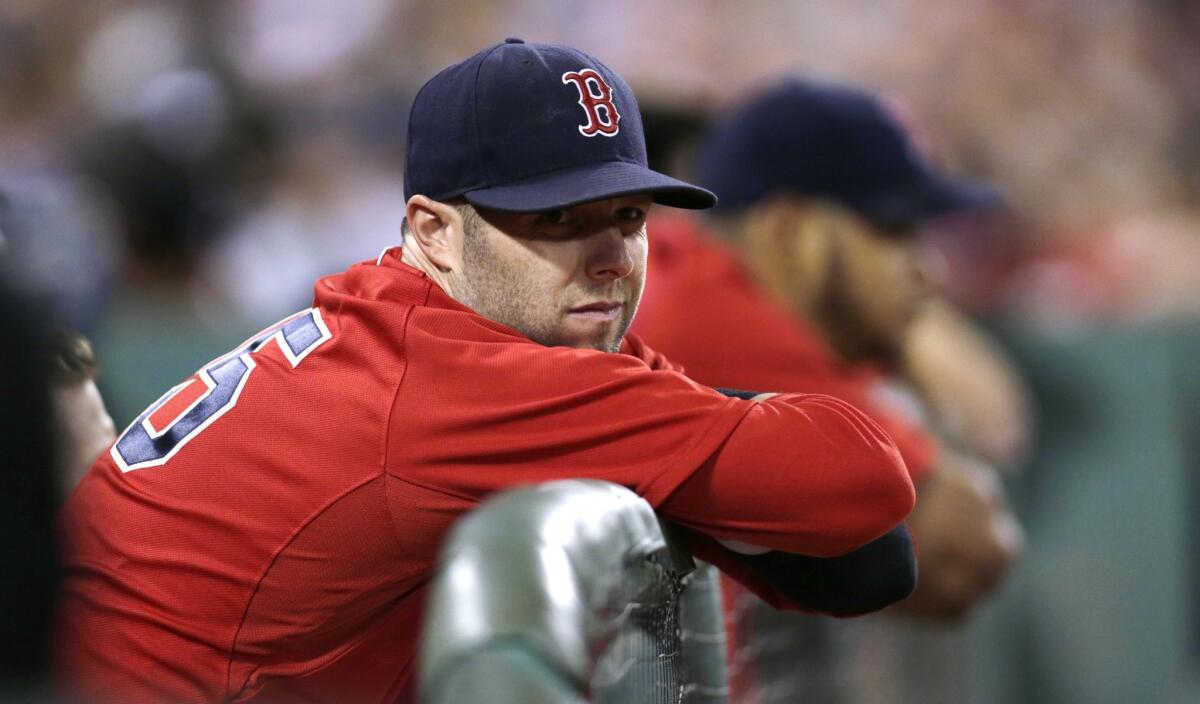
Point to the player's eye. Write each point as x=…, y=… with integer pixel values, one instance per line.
x=630, y=213
x=552, y=217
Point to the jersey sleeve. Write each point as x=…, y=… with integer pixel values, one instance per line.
x=917, y=447
x=483, y=418
x=802, y=473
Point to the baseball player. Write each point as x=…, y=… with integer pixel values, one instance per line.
x=808, y=278
x=267, y=528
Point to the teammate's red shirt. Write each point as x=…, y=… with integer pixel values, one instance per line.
x=266, y=531
x=702, y=309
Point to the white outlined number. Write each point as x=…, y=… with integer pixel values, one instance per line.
x=147, y=444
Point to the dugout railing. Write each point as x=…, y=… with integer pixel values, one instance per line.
x=571, y=592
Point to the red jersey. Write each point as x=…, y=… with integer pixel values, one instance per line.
x=266, y=530
x=702, y=309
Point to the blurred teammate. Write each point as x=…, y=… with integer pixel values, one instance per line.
x=266, y=530
x=809, y=277
x=84, y=426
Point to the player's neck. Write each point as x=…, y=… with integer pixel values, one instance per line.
x=411, y=254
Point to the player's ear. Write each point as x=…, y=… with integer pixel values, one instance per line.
x=812, y=246
x=778, y=245
x=437, y=229
x=788, y=246
x=814, y=239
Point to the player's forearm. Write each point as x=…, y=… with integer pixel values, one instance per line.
x=804, y=474
x=867, y=579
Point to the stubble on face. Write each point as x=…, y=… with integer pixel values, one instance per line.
x=511, y=294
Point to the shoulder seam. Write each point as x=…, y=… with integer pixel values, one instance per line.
x=386, y=441
x=271, y=563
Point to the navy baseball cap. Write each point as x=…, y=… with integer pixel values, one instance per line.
x=530, y=127
x=831, y=142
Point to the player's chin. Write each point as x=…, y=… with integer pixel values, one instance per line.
x=605, y=338
x=586, y=330
x=606, y=343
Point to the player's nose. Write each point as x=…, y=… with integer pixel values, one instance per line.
x=609, y=256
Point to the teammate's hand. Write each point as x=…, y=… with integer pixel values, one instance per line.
x=967, y=539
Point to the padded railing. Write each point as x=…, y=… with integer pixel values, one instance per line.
x=571, y=591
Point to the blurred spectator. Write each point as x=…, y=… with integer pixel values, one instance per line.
x=59, y=249
x=160, y=323
x=978, y=72
x=331, y=205
x=171, y=187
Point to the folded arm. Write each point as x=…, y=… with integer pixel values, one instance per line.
x=804, y=474
x=828, y=493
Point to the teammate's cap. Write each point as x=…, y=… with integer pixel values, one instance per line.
x=830, y=142
x=529, y=127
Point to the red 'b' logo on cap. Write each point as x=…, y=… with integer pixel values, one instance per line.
x=595, y=96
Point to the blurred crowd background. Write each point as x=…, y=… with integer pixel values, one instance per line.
x=176, y=174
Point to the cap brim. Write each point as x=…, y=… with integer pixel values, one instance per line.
x=929, y=198
x=590, y=182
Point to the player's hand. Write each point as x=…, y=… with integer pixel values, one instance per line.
x=967, y=540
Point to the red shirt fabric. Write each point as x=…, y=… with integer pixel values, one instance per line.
x=703, y=310
x=266, y=531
